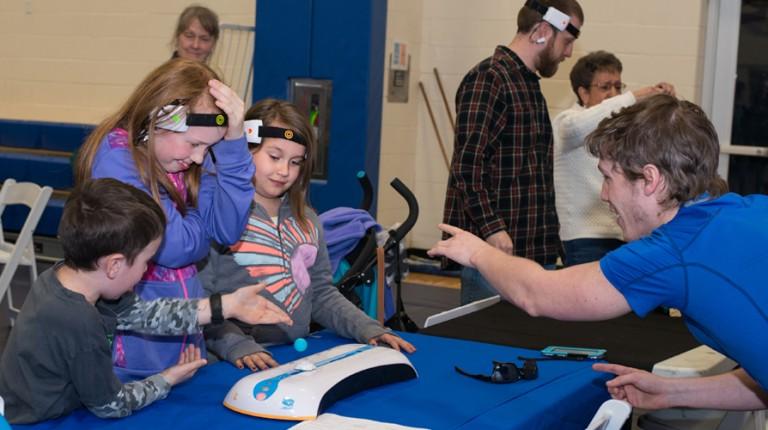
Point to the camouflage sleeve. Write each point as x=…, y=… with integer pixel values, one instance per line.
x=163, y=317
x=133, y=396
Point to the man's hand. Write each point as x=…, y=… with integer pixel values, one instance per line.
x=460, y=247
x=501, y=240
x=189, y=362
x=640, y=388
x=257, y=361
x=393, y=341
x=248, y=306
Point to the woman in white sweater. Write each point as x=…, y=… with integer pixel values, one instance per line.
x=587, y=226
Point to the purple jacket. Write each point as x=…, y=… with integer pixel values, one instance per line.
x=224, y=200
x=344, y=227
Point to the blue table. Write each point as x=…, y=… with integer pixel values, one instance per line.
x=565, y=395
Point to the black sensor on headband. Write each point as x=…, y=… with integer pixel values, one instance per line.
x=175, y=116
x=255, y=130
x=281, y=133
x=207, y=119
x=555, y=17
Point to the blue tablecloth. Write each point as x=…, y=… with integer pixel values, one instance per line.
x=565, y=395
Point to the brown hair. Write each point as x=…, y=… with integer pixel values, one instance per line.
x=673, y=135
x=271, y=111
x=208, y=20
x=105, y=216
x=176, y=81
x=585, y=68
x=528, y=17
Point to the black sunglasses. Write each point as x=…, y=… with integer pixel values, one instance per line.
x=506, y=373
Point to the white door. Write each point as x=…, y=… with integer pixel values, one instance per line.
x=735, y=90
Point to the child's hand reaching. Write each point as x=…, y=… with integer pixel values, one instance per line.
x=248, y=306
x=189, y=362
x=256, y=361
x=232, y=105
x=394, y=342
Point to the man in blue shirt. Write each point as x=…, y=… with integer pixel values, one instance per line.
x=691, y=247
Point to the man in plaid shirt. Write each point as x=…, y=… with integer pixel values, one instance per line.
x=500, y=186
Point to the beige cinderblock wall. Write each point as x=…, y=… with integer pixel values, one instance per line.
x=399, y=122
x=655, y=39
x=77, y=60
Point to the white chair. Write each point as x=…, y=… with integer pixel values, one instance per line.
x=233, y=58
x=611, y=415
x=698, y=362
x=22, y=252
x=3, y=423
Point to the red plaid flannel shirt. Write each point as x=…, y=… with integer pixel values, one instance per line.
x=501, y=173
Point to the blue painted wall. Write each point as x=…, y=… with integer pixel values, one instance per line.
x=43, y=135
x=55, y=171
x=342, y=41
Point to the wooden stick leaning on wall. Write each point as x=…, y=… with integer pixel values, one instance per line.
x=434, y=125
x=381, y=281
x=445, y=100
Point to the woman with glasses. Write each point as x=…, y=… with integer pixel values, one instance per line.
x=587, y=226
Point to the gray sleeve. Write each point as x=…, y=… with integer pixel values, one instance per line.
x=133, y=396
x=229, y=342
x=226, y=340
x=331, y=309
x=206, y=272
x=165, y=316
x=220, y=273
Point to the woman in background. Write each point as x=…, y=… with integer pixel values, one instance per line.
x=197, y=32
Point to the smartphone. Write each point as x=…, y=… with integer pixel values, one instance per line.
x=574, y=353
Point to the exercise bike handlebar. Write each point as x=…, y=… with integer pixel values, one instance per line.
x=367, y=187
x=364, y=262
x=413, y=210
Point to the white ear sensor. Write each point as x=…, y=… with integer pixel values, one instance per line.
x=541, y=40
x=252, y=130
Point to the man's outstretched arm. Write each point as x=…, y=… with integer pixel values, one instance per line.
x=578, y=293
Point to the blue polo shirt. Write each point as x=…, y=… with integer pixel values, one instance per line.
x=711, y=262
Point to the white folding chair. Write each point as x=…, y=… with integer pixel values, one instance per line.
x=611, y=415
x=22, y=252
x=233, y=58
x=698, y=362
x=3, y=423
x=2, y=413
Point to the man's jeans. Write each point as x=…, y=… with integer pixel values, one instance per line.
x=474, y=287
x=580, y=251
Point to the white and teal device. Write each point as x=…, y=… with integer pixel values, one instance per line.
x=303, y=389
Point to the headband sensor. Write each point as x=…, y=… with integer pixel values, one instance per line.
x=255, y=131
x=554, y=17
x=174, y=117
